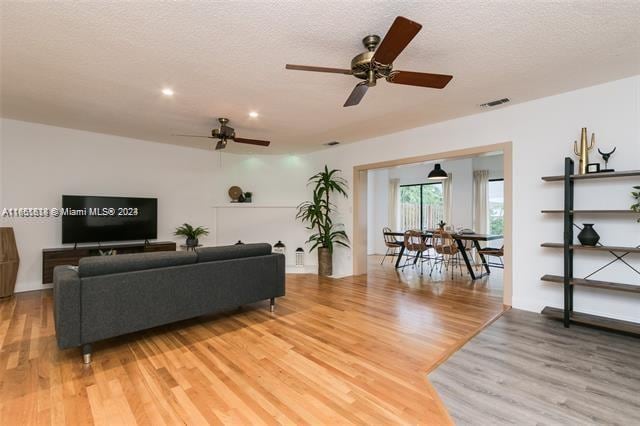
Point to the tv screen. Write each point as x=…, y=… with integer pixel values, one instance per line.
x=88, y=219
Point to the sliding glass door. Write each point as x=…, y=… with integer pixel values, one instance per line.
x=410, y=204
x=421, y=206
x=432, y=205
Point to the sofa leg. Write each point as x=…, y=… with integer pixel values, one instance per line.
x=86, y=354
x=272, y=304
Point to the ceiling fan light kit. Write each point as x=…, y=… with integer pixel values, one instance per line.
x=377, y=62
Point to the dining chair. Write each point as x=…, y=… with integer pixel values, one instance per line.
x=493, y=252
x=447, y=252
x=416, y=243
x=392, y=244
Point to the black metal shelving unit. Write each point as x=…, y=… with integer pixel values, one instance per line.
x=568, y=281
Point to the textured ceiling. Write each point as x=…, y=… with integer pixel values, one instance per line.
x=100, y=66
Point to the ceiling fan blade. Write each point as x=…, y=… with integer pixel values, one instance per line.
x=221, y=144
x=318, y=69
x=252, y=141
x=357, y=94
x=422, y=79
x=195, y=136
x=402, y=31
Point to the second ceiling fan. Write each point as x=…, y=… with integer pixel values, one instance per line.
x=225, y=133
x=378, y=63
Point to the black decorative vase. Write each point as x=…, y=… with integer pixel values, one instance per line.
x=588, y=236
x=192, y=242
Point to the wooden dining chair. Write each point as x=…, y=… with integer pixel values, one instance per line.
x=391, y=243
x=447, y=252
x=417, y=247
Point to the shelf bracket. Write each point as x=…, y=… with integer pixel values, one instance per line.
x=617, y=258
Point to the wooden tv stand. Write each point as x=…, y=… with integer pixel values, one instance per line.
x=53, y=257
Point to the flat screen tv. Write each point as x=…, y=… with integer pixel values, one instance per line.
x=91, y=219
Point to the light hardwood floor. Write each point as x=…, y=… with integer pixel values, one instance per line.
x=351, y=350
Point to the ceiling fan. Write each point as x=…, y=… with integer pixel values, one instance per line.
x=378, y=63
x=226, y=133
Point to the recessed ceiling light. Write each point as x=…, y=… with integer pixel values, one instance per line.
x=167, y=91
x=253, y=114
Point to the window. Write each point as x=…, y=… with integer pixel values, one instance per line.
x=421, y=206
x=496, y=206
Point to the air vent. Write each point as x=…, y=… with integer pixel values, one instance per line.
x=332, y=143
x=495, y=103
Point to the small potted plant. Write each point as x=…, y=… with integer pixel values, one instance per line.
x=191, y=233
x=636, y=196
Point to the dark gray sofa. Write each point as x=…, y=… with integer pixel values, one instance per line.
x=107, y=296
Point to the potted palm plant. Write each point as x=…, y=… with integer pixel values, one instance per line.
x=636, y=196
x=191, y=233
x=316, y=214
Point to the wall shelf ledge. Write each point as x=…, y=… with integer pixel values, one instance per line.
x=253, y=206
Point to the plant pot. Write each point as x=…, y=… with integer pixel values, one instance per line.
x=588, y=236
x=192, y=242
x=325, y=262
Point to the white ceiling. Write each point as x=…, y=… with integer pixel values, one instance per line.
x=100, y=66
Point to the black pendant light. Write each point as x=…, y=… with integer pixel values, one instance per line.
x=437, y=173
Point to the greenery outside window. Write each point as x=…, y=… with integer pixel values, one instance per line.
x=421, y=206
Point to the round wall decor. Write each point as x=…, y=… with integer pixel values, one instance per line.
x=235, y=192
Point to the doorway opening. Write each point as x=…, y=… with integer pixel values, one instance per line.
x=462, y=223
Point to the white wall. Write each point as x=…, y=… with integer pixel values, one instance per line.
x=461, y=192
x=542, y=132
x=372, y=211
x=492, y=163
x=377, y=209
x=2, y=219
x=39, y=163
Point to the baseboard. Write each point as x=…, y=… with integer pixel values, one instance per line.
x=22, y=288
x=338, y=276
x=307, y=269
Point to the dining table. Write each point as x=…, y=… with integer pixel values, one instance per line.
x=459, y=238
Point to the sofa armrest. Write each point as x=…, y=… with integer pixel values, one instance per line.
x=67, y=306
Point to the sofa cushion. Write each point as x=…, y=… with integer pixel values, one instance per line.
x=103, y=265
x=210, y=254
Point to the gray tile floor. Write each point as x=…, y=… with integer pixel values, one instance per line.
x=527, y=369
